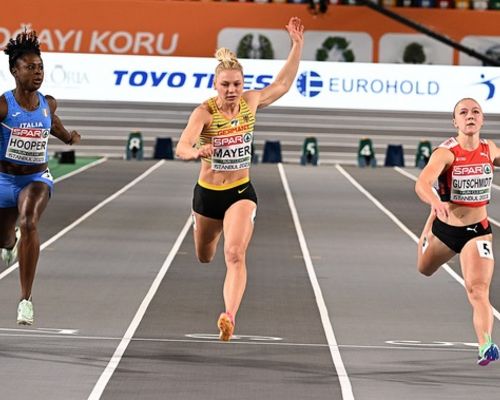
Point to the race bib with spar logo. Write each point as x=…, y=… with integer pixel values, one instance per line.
x=232, y=152
x=471, y=183
x=28, y=144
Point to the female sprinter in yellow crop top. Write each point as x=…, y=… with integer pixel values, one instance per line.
x=219, y=132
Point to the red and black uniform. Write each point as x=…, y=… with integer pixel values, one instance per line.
x=466, y=182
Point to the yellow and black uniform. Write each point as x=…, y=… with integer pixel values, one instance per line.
x=232, y=150
x=231, y=139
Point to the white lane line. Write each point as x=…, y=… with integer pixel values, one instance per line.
x=406, y=173
x=89, y=213
x=402, y=226
x=450, y=346
x=128, y=336
x=84, y=168
x=345, y=383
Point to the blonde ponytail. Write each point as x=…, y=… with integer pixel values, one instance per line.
x=227, y=61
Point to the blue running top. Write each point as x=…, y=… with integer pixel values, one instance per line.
x=24, y=134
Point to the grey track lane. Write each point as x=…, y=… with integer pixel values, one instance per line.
x=74, y=197
x=364, y=263
x=279, y=302
x=91, y=280
x=399, y=304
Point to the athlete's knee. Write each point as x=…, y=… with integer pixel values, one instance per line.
x=234, y=255
x=205, y=257
x=28, y=224
x=425, y=268
x=478, y=292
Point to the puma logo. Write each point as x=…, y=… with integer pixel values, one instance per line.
x=472, y=229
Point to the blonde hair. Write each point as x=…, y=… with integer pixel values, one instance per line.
x=227, y=61
x=465, y=98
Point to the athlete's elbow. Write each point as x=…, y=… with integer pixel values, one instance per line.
x=180, y=152
x=419, y=188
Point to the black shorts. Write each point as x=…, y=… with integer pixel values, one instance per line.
x=455, y=237
x=214, y=203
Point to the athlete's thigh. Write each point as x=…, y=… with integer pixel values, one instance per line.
x=206, y=231
x=239, y=223
x=33, y=199
x=477, y=261
x=435, y=253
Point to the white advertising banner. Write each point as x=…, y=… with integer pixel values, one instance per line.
x=328, y=85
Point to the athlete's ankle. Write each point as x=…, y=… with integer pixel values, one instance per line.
x=487, y=343
x=231, y=316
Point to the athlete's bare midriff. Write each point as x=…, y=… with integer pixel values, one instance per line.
x=462, y=215
x=7, y=167
x=221, y=178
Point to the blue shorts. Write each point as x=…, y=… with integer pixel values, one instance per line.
x=11, y=186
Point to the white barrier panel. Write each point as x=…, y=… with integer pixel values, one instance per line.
x=364, y=86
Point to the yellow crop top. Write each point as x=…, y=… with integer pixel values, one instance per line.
x=231, y=139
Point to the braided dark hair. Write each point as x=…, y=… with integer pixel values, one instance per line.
x=25, y=43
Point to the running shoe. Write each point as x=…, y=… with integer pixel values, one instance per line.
x=9, y=256
x=487, y=354
x=25, y=312
x=226, y=327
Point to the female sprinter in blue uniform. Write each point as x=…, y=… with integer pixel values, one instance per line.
x=220, y=132
x=27, y=118
x=458, y=223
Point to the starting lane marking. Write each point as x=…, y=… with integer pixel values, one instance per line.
x=437, y=343
x=41, y=331
x=210, y=336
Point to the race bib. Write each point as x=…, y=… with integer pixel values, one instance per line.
x=232, y=152
x=28, y=145
x=471, y=183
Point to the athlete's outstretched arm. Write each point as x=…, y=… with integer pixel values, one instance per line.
x=57, y=129
x=286, y=76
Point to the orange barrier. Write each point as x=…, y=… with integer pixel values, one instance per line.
x=182, y=28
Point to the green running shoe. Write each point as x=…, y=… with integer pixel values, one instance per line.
x=9, y=256
x=25, y=312
x=488, y=351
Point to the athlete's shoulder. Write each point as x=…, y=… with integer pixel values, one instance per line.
x=203, y=108
x=449, y=143
x=251, y=98
x=201, y=114
x=245, y=107
x=51, y=101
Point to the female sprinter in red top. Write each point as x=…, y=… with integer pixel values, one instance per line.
x=458, y=223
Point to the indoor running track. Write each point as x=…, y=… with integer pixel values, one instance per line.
x=334, y=307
